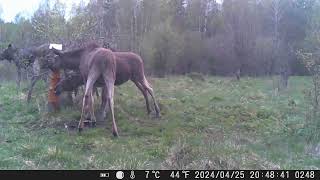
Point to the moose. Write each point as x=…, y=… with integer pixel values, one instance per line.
x=27, y=58
x=22, y=58
x=98, y=65
x=94, y=63
x=129, y=66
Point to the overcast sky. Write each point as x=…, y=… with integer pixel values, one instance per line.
x=10, y=8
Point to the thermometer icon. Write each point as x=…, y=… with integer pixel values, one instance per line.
x=132, y=176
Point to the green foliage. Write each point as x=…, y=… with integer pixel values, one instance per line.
x=309, y=56
x=48, y=22
x=178, y=36
x=8, y=33
x=313, y=35
x=163, y=46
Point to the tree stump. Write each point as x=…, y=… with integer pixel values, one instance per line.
x=53, y=99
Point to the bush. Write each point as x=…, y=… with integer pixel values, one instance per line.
x=162, y=48
x=312, y=125
x=7, y=71
x=196, y=76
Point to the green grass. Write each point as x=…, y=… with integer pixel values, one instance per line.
x=218, y=123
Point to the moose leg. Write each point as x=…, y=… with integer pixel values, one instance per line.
x=86, y=106
x=148, y=87
x=34, y=79
x=19, y=77
x=109, y=83
x=145, y=95
x=96, y=91
x=81, y=124
x=87, y=98
x=75, y=91
x=70, y=98
x=103, y=103
x=93, y=117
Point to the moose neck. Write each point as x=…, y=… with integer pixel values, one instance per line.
x=71, y=61
x=5, y=55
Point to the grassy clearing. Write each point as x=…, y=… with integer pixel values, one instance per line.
x=216, y=123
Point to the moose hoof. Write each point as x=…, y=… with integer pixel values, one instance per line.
x=115, y=134
x=80, y=130
x=87, y=122
x=158, y=115
x=93, y=124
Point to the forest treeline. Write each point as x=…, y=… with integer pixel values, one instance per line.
x=251, y=37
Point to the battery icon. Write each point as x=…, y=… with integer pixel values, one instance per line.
x=104, y=175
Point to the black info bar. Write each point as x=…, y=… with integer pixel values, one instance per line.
x=160, y=174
